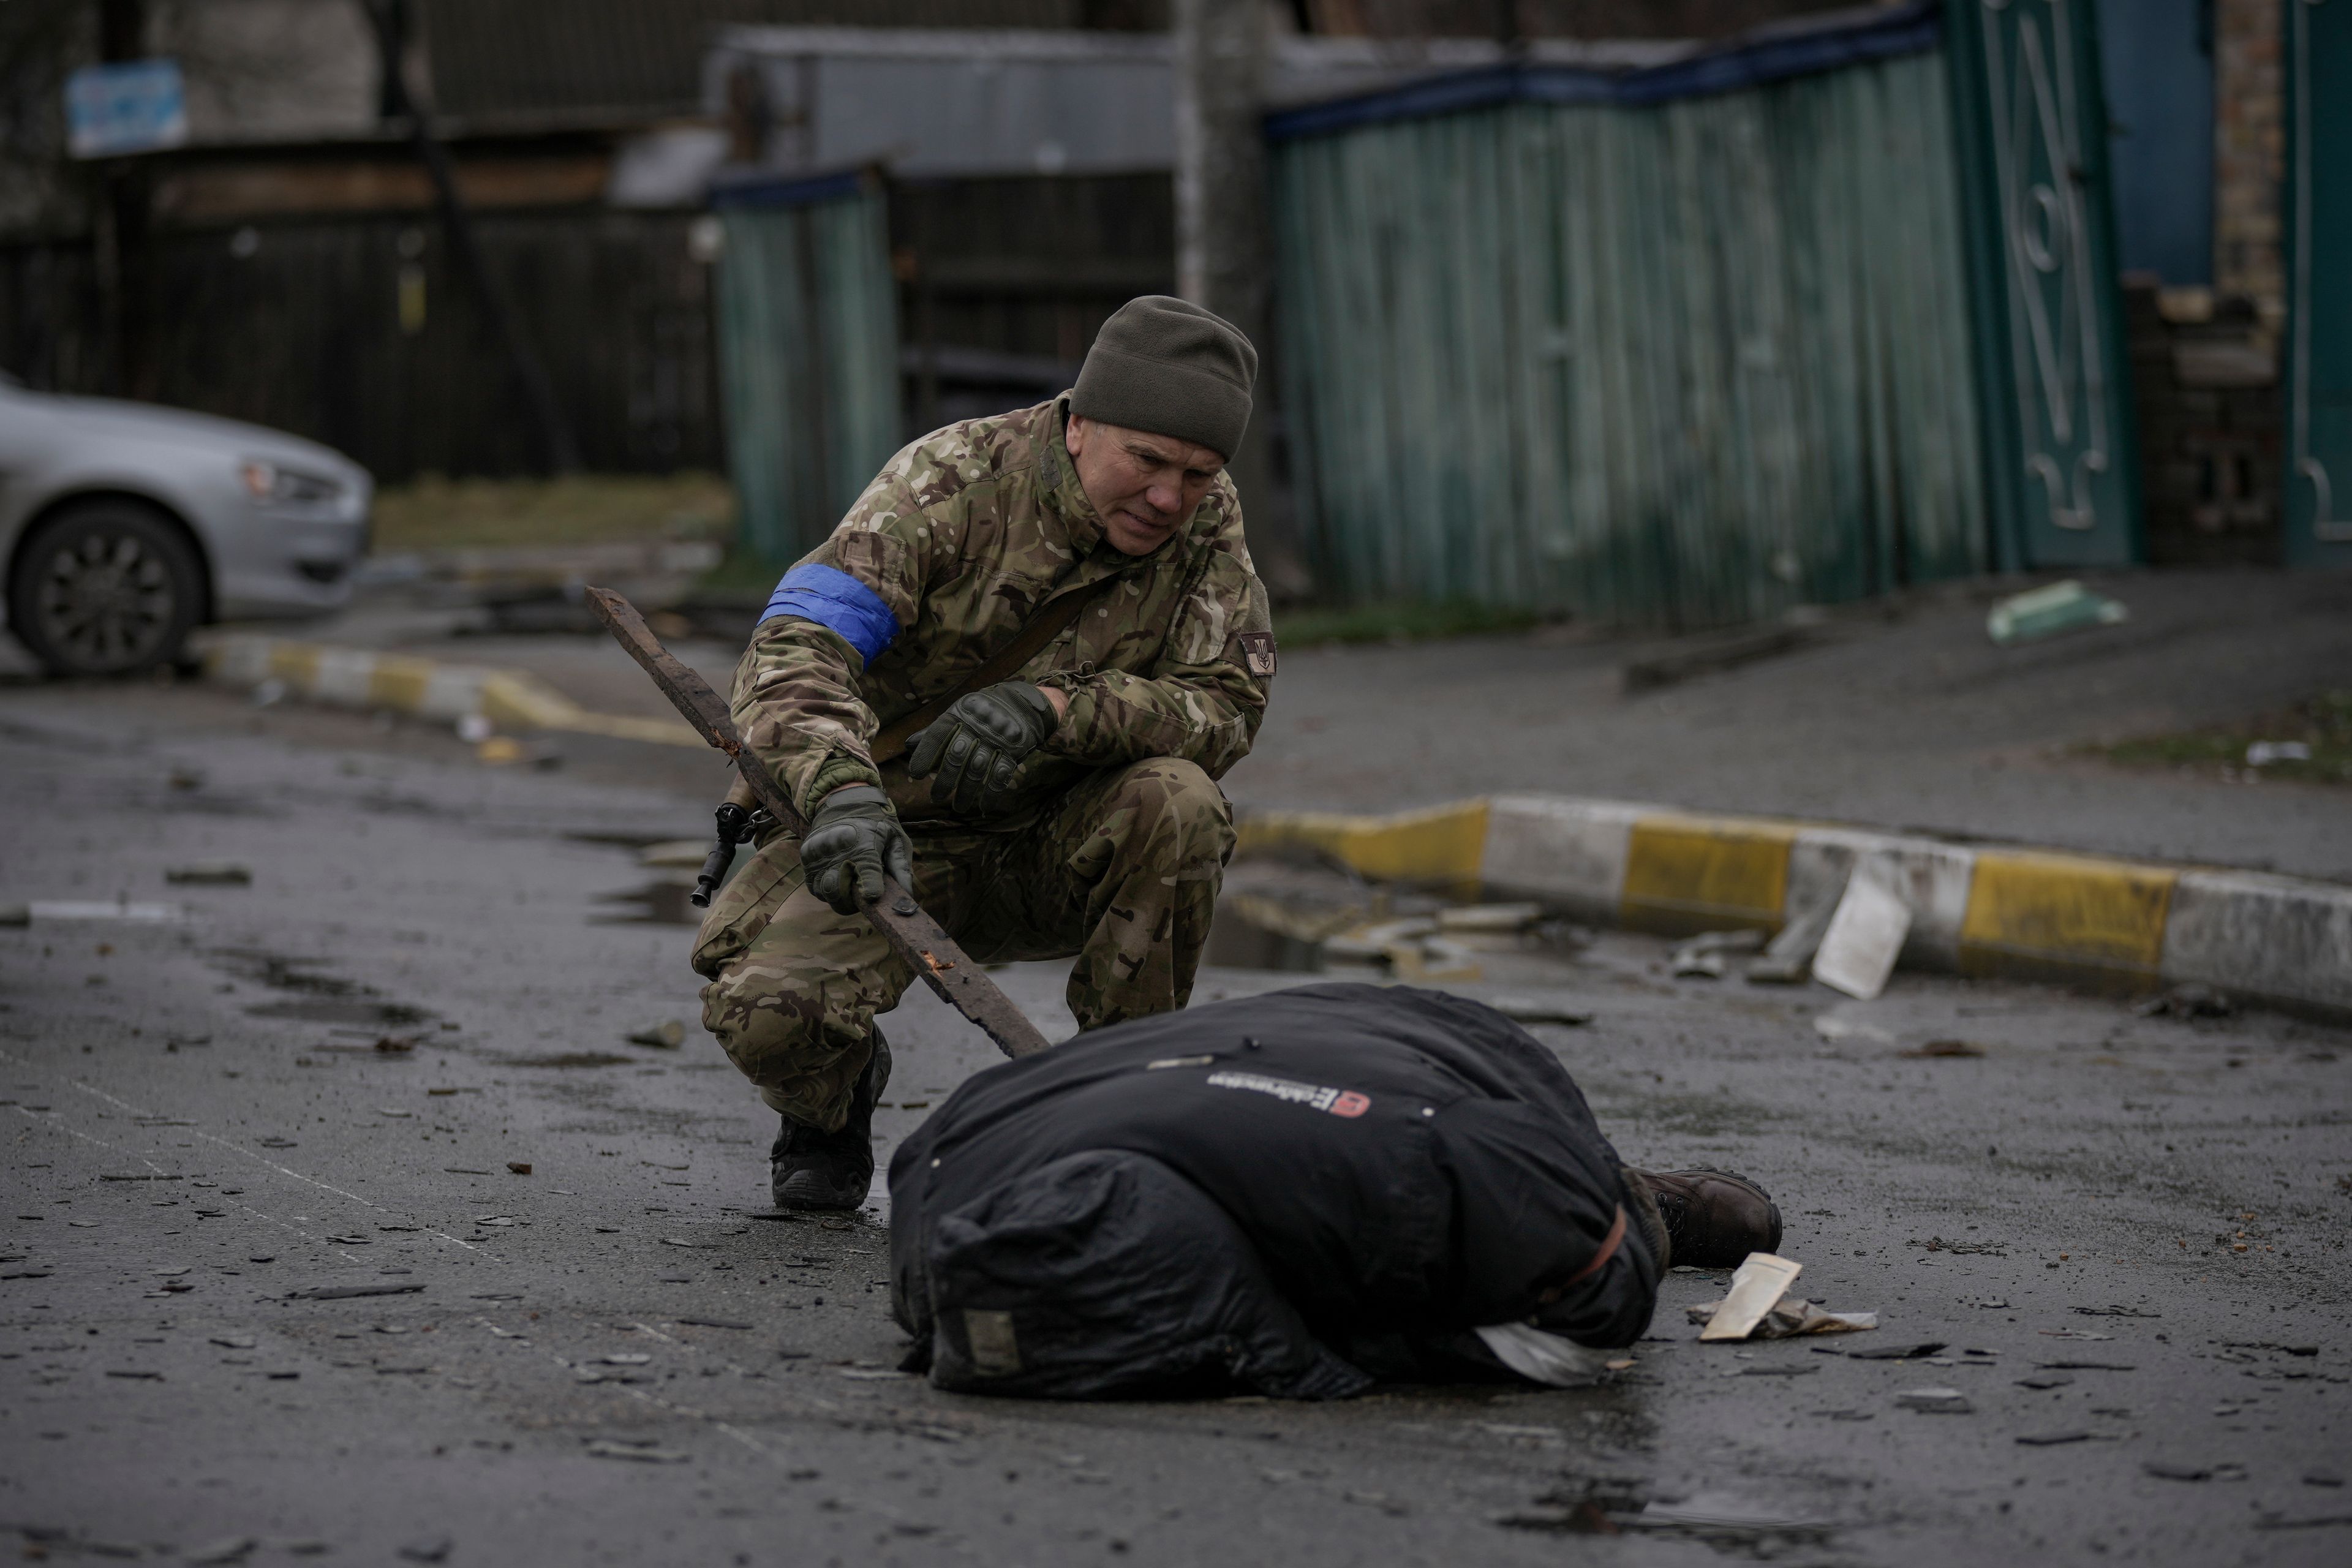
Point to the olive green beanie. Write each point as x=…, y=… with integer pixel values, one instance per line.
x=1170, y=367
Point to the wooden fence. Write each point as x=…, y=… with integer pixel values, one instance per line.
x=359, y=331
x=1685, y=361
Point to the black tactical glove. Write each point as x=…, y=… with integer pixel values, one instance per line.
x=977, y=747
x=853, y=841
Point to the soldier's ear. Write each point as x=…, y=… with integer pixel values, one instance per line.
x=1074, y=434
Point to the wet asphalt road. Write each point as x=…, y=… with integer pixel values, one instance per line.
x=611, y=1359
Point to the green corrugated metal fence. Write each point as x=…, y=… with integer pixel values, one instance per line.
x=808, y=354
x=1686, y=363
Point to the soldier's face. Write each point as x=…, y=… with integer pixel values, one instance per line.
x=1143, y=486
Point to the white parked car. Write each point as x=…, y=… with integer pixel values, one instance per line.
x=125, y=525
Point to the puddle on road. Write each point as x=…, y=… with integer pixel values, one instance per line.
x=577, y=1060
x=352, y=1010
x=655, y=903
x=319, y=998
x=1732, y=1524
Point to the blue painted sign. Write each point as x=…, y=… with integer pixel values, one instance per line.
x=133, y=106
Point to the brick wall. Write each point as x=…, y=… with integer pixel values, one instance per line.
x=2205, y=379
x=2249, y=156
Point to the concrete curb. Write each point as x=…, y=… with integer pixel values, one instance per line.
x=2011, y=910
x=422, y=689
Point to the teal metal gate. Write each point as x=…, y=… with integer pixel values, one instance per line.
x=2061, y=464
x=2319, y=284
x=1685, y=345
x=808, y=354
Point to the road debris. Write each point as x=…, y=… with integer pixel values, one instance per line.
x=2051, y=1439
x=2187, y=1001
x=1933, y=1049
x=1705, y=956
x=90, y=910
x=1756, y=1288
x=1865, y=937
x=2045, y=612
x=210, y=874
x=1919, y=1351
x=432, y=1549
x=236, y=1549
x=2173, y=1471
x=644, y=1450
x=1492, y=919
x=346, y=1292
x=1837, y=1026
x=666, y=1036
x=1524, y=1009
x=1719, y=1516
x=519, y=1167
x=1935, y=1401
x=1790, y=1316
x=1788, y=958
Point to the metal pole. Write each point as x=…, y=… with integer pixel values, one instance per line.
x=1225, y=251
x=560, y=451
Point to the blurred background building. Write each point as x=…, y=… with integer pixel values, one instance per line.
x=1675, y=309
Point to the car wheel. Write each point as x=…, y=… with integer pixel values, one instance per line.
x=104, y=588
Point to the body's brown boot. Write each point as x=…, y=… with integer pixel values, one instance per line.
x=1713, y=1219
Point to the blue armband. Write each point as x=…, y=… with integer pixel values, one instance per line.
x=839, y=603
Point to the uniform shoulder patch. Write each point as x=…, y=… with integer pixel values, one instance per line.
x=1257, y=651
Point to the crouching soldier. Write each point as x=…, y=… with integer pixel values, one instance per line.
x=1011, y=678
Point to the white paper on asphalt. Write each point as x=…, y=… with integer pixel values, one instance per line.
x=1858, y=952
x=1761, y=1281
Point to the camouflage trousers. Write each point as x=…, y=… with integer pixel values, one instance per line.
x=1121, y=871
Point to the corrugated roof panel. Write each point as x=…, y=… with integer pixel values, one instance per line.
x=491, y=57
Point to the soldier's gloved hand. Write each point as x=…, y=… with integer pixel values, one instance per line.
x=853, y=841
x=977, y=747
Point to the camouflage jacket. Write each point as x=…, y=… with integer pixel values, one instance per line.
x=948, y=553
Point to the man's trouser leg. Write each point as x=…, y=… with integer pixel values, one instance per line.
x=793, y=987
x=1122, y=870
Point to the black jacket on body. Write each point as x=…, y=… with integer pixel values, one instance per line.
x=1291, y=1192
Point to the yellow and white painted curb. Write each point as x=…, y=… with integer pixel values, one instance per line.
x=422, y=689
x=1975, y=908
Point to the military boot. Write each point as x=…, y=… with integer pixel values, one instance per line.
x=1713, y=1219
x=812, y=1169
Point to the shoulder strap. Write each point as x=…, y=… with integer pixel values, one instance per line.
x=1042, y=628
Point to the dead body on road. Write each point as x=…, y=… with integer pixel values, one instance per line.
x=1072, y=579
x=1297, y=1194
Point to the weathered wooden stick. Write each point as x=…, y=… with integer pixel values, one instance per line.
x=913, y=935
